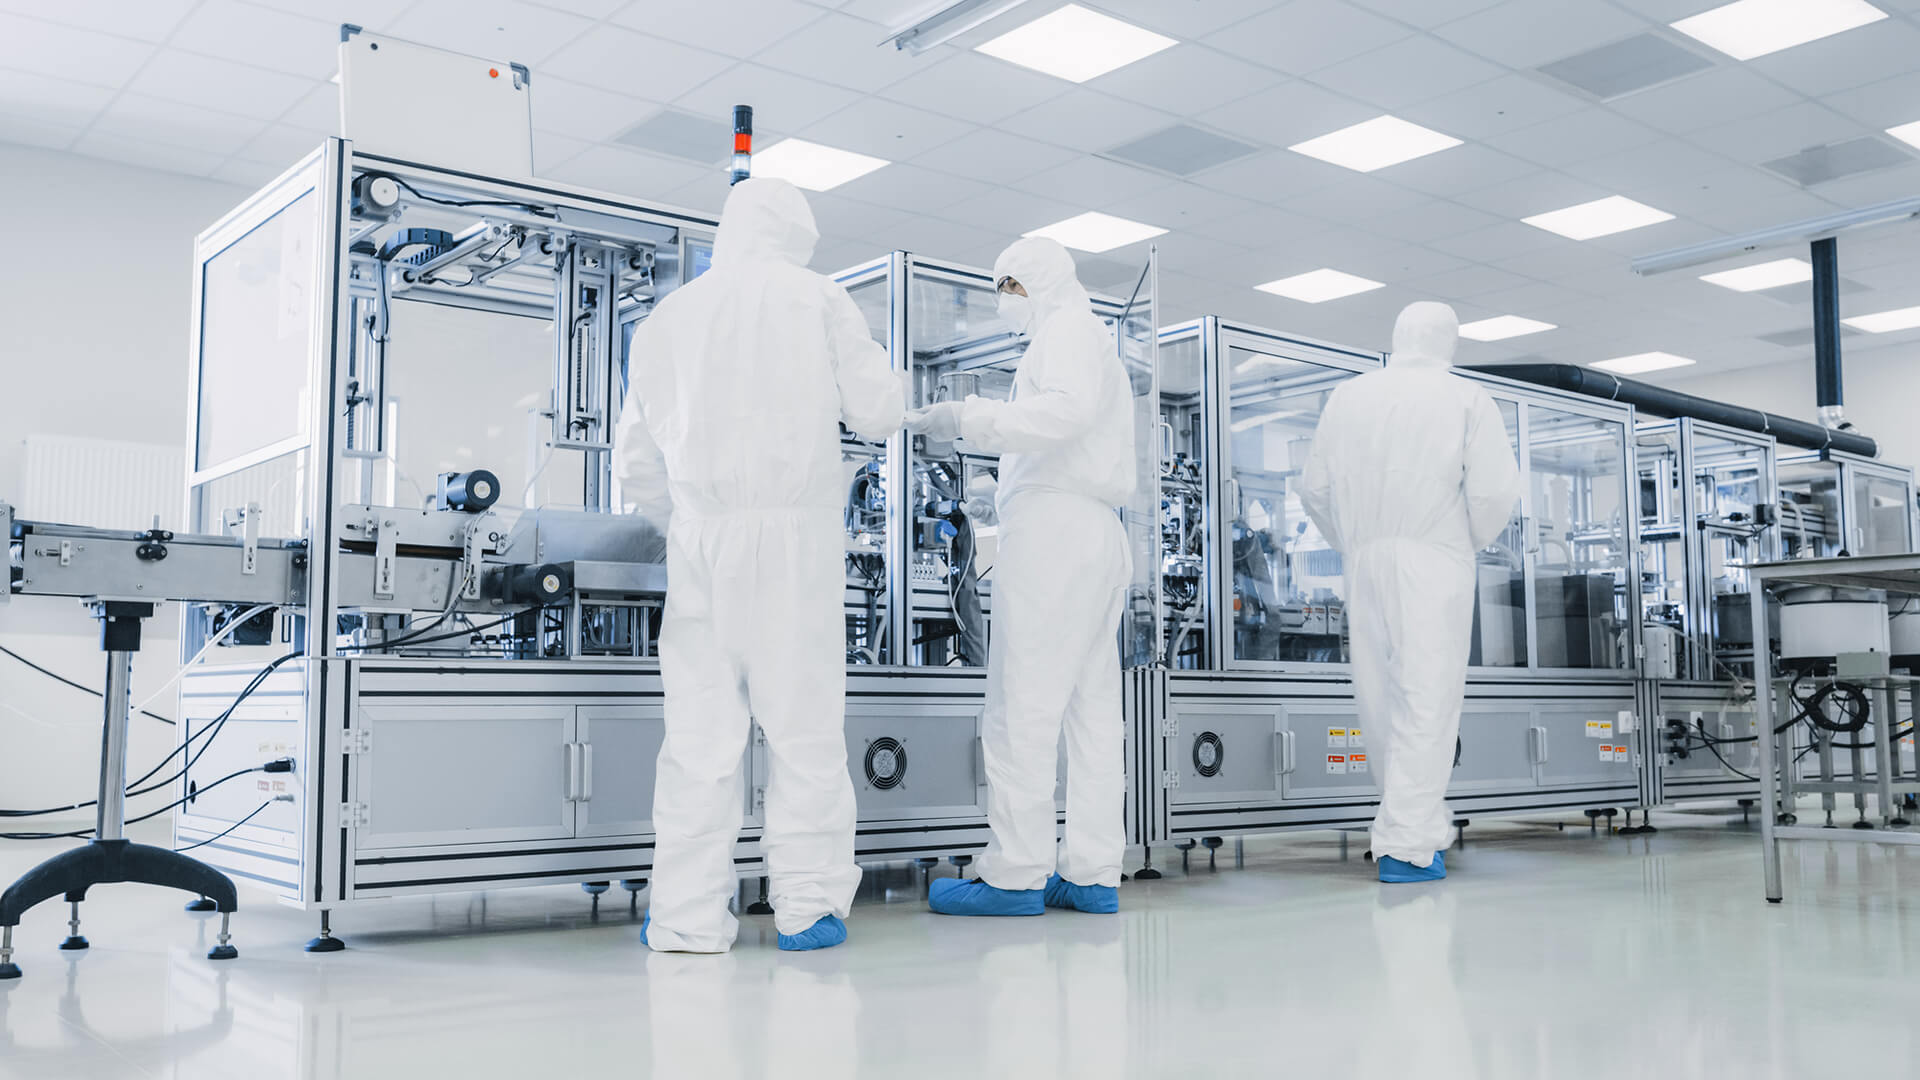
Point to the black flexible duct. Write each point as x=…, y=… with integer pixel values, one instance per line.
x=1659, y=401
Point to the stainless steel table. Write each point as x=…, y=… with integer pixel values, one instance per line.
x=1894, y=574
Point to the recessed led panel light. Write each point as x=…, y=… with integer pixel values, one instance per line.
x=1642, y=362
x=1749, y=28
x=1886, y=321
x=813, y=166
x=1076, y=44
x=1601, y=217
x=1375, y=144
x=1766, y=275
x=1095, y=233
x=1316, y=286
x=1907, y=133
x=1502, y=327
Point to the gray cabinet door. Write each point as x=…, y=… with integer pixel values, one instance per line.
x=434, y=775
x=1579, y=744
x=912, y=760
x=1496, y=740
x=1331, y=755
x=620, y=748
x=1226, y=752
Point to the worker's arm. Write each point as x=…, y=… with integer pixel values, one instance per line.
x=873, y=398
x=637, y=462
x=1316, y=480
x=1061, y=399
x=1491, y=482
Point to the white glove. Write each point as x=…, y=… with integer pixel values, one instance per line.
x=979, y=505
x=939, y=422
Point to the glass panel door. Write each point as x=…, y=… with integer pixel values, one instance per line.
x=1665, y=599
x=1184, y=548
x=1882, y=514
x=1500, y=601
x=1810, y=509
x=1579, y=535
x=1731, y=481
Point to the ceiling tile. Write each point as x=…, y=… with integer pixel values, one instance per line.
x=30, y=130
x=1406, y=262
x=993, y=156
x=1354, y=201
x=1183, y=251
x=625, y=172
x=1181, y=206
x=844, y=51
x=1008, y=213
x=550, y=150
x=1463, y=168
x=584, y=112
x=1562, y=262
x=1559, y=143
x=1264, y=228
x=1528, y=33
x=1463, y=282
x=1426, y=13
x=1093, y=183
x=781, y=102
x=1844, y=61
x=847, y=219
x=1535, y=193
x=56, y=103
x=64, y=52
x=1711, y=97
x=220, y=84
x=911, y=188
x=976, y=88
x=147, y=119
x=1184, y=19
x=1758, y=212
x=281, y=145
x=1435, y=219
x=885, y=129
x=1507, y=103
x=1186, y=79
x=168, y=158
x=938, y=239
x=1274, y=176
x=738, y=28
x=1882, y=105
x=592, y=9
x=261, y=37
x=1287, y=114
x=493, y=29
x=1883, y=185
x=1646, y=171
x=1307, y=35
x=628, y=63
x=148, y=20
x=318, y=109
x=373, y=14
x=1410, y=70
x=1083, y=120
x=1778, y=133
x=1507, y=239
x=247, y=174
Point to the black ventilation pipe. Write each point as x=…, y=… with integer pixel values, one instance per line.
x=1660, y=401
x=1826, y=332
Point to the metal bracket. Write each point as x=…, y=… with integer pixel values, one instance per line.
x=386, y=549
x=1170, y=727
x=353, y=815
x=356, y=741
x=476, y=542
x=1169, y=778
x=66, y=553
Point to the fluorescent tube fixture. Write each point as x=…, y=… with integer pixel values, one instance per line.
x=1601, y=217
x=1317, y=286
x=1076, y=44
x=1375, y=144
x=1766, y=275
x=1502, y=327
x=1749, y=28
x=1094, y=232
x=1907, y=133
x=1639, y=363
x=813, y=166
x=949, y=21
x=1886, y=321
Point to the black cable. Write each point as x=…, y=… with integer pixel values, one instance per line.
x=416, y=639
x=222, y=833
x=143, y=817
x=82, y=687
x=1729, y=765
x=418, y=194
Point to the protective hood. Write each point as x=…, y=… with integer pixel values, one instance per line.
x=1046, y=271
x=765, y=220
x=1425, y=336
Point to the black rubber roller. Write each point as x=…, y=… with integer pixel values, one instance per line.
x=469, y=491
x=545, y=584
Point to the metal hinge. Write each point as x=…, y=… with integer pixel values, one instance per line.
x=353, y=815
x=356, y=741
x=1170, y=727
x=1169, y=778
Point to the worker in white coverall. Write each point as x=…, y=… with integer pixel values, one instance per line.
x=1059, y=587
x=737, y=386
x=1411, y=473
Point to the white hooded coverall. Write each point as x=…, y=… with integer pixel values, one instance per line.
x=737, y=385
x=1059, y=585
x=1411, y=473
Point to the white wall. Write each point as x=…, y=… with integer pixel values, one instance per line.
x=1880, y=388
x=95, y=296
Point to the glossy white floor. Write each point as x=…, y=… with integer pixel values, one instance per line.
x=1548, y=953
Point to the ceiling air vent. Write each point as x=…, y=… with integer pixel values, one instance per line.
x=681, y=135
x=1820, y=164
x=1180, y=150
x=1801, y=338
x=1625, y=67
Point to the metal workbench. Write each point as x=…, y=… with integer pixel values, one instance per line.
x=1898, y=575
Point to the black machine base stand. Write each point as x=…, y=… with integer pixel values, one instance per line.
x=1146, y=871
x=326, y=942
x=202, y=904
x=110, y=858
x=761, y=906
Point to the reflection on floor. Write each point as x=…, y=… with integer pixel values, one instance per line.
x=1549, y=953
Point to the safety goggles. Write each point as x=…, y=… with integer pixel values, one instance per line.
x=1006, y=284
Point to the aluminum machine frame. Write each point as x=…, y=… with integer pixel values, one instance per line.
x=1249, y=724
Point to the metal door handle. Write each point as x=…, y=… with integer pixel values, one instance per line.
x=1283, y=752
x=586, y=772
x=979, y=761
x=1166, y=447
x=573, y=773
x=1538, y=736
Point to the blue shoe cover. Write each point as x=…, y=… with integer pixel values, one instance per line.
x=1093, y=899
x=823, y=934
x=957, y=896
x=1396, y=871
x=644, y=923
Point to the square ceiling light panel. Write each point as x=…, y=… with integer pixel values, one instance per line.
x=1319, y=286
x=813, y=166
x=1907, y=133
x=1502, y=327
x=1749, y=28
x=1601, y=217
x=1619, y=69
x=1640, y=363
x=1885, y=322
x=1076, y=44
x=1766, y=275
x=1095, y=232
x=1375, y=144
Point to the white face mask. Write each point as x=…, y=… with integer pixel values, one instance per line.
x=1016, y=309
